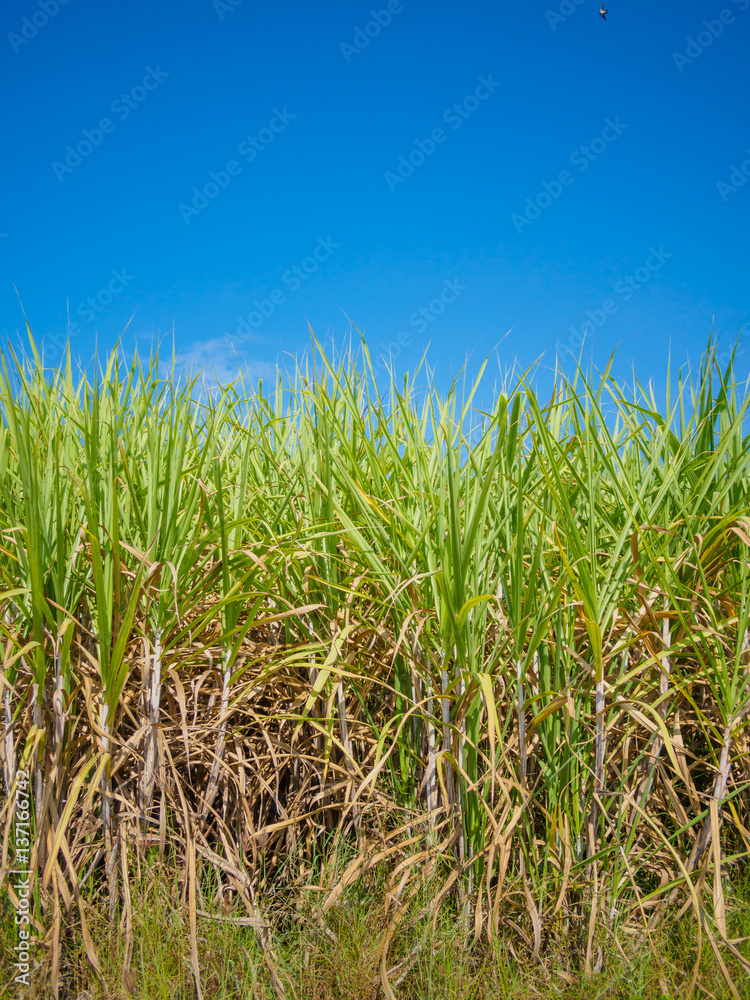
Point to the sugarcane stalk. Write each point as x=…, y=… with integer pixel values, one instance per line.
x=346, y=743
x=722, y=778
x=521, y=723
x=430, y=780
x=9, y=741
x=462, y=766
x=106, y=786
x=152, y=685
x=9, y=745
x=447, y=742
x=213, y=781
x=37, y=694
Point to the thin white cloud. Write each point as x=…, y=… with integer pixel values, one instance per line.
x=216, y=365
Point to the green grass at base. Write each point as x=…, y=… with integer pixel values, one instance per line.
x=338, y=958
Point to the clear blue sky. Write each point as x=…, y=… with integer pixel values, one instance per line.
x=116, y=115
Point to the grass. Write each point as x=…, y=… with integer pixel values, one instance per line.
x=338, y=959
x=302, y=638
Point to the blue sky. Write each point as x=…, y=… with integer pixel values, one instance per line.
x=474, y=175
